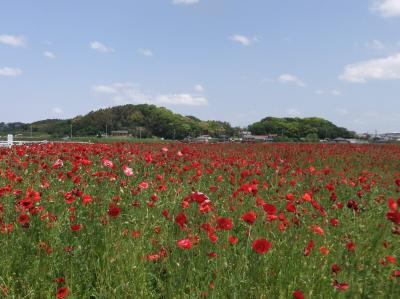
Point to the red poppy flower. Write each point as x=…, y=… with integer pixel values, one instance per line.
x=334, y=221
x=75, y=227
x=86, y=162
x=144, y=185
x=335, y=268
x=350, y=246
x=127, y=170
x=261, y=245
x=68, y=249
x=290, y=197
x=136, y=234
x=307, y=197
x=58, y=164
x=200, y=197
x=152, y=257
x=181, y=220
x=310, y=246
x=393, y=216
x=392, y=204
x=165, y=213
x=205, y=207
x=184, y=244
x=298, y=294
x=86, y=199
x=270, y=209
x=233, y=240
x=62, y=292
x=386, y=244
x=249, y=217
x=317, y=229
x=212, y=237
x=113, y=211
x=23, y=218
x=391, y=259
x=108, y=163
x=224, y=223
x=340, y=286
x=324, y=250
x=291, y=207
x=26, y=203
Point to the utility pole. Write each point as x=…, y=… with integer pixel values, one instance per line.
x=31, y=130
x=174, y=133
x=140, y=132
x=106, y=131
x=71, y=130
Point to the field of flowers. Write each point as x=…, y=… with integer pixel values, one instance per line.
x=128, y=220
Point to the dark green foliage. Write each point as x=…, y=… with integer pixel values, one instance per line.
x=53, y=127
x=299, y=128
x=149, y=120
x=12, y=127
x=139, y=120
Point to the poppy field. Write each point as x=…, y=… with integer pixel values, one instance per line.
x=127, y=220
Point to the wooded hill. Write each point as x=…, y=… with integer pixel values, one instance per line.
x=143, y=119
x=294, y=127
x=150, y=120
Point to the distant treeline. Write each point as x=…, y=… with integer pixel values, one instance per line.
x=312, y=127
x=150, y=120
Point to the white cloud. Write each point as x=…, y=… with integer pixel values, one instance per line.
x=127, y=93
x=99, y=47
x=293, y=112
x=320, y=92
x=10, y=72
x=375, y=69
x=185, y=2
x=49, y=55
x=123, y=93
x=383, y=47
x=12, y=40
x=145, y=52
x=181, y=99
x=57, y=110
x=387, y=8
x=199, y=88
x=105, y=89
x=336, y=92
x=244, y=40
x=288, y=78
x=376, y=45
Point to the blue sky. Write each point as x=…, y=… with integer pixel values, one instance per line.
x=232, y=60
